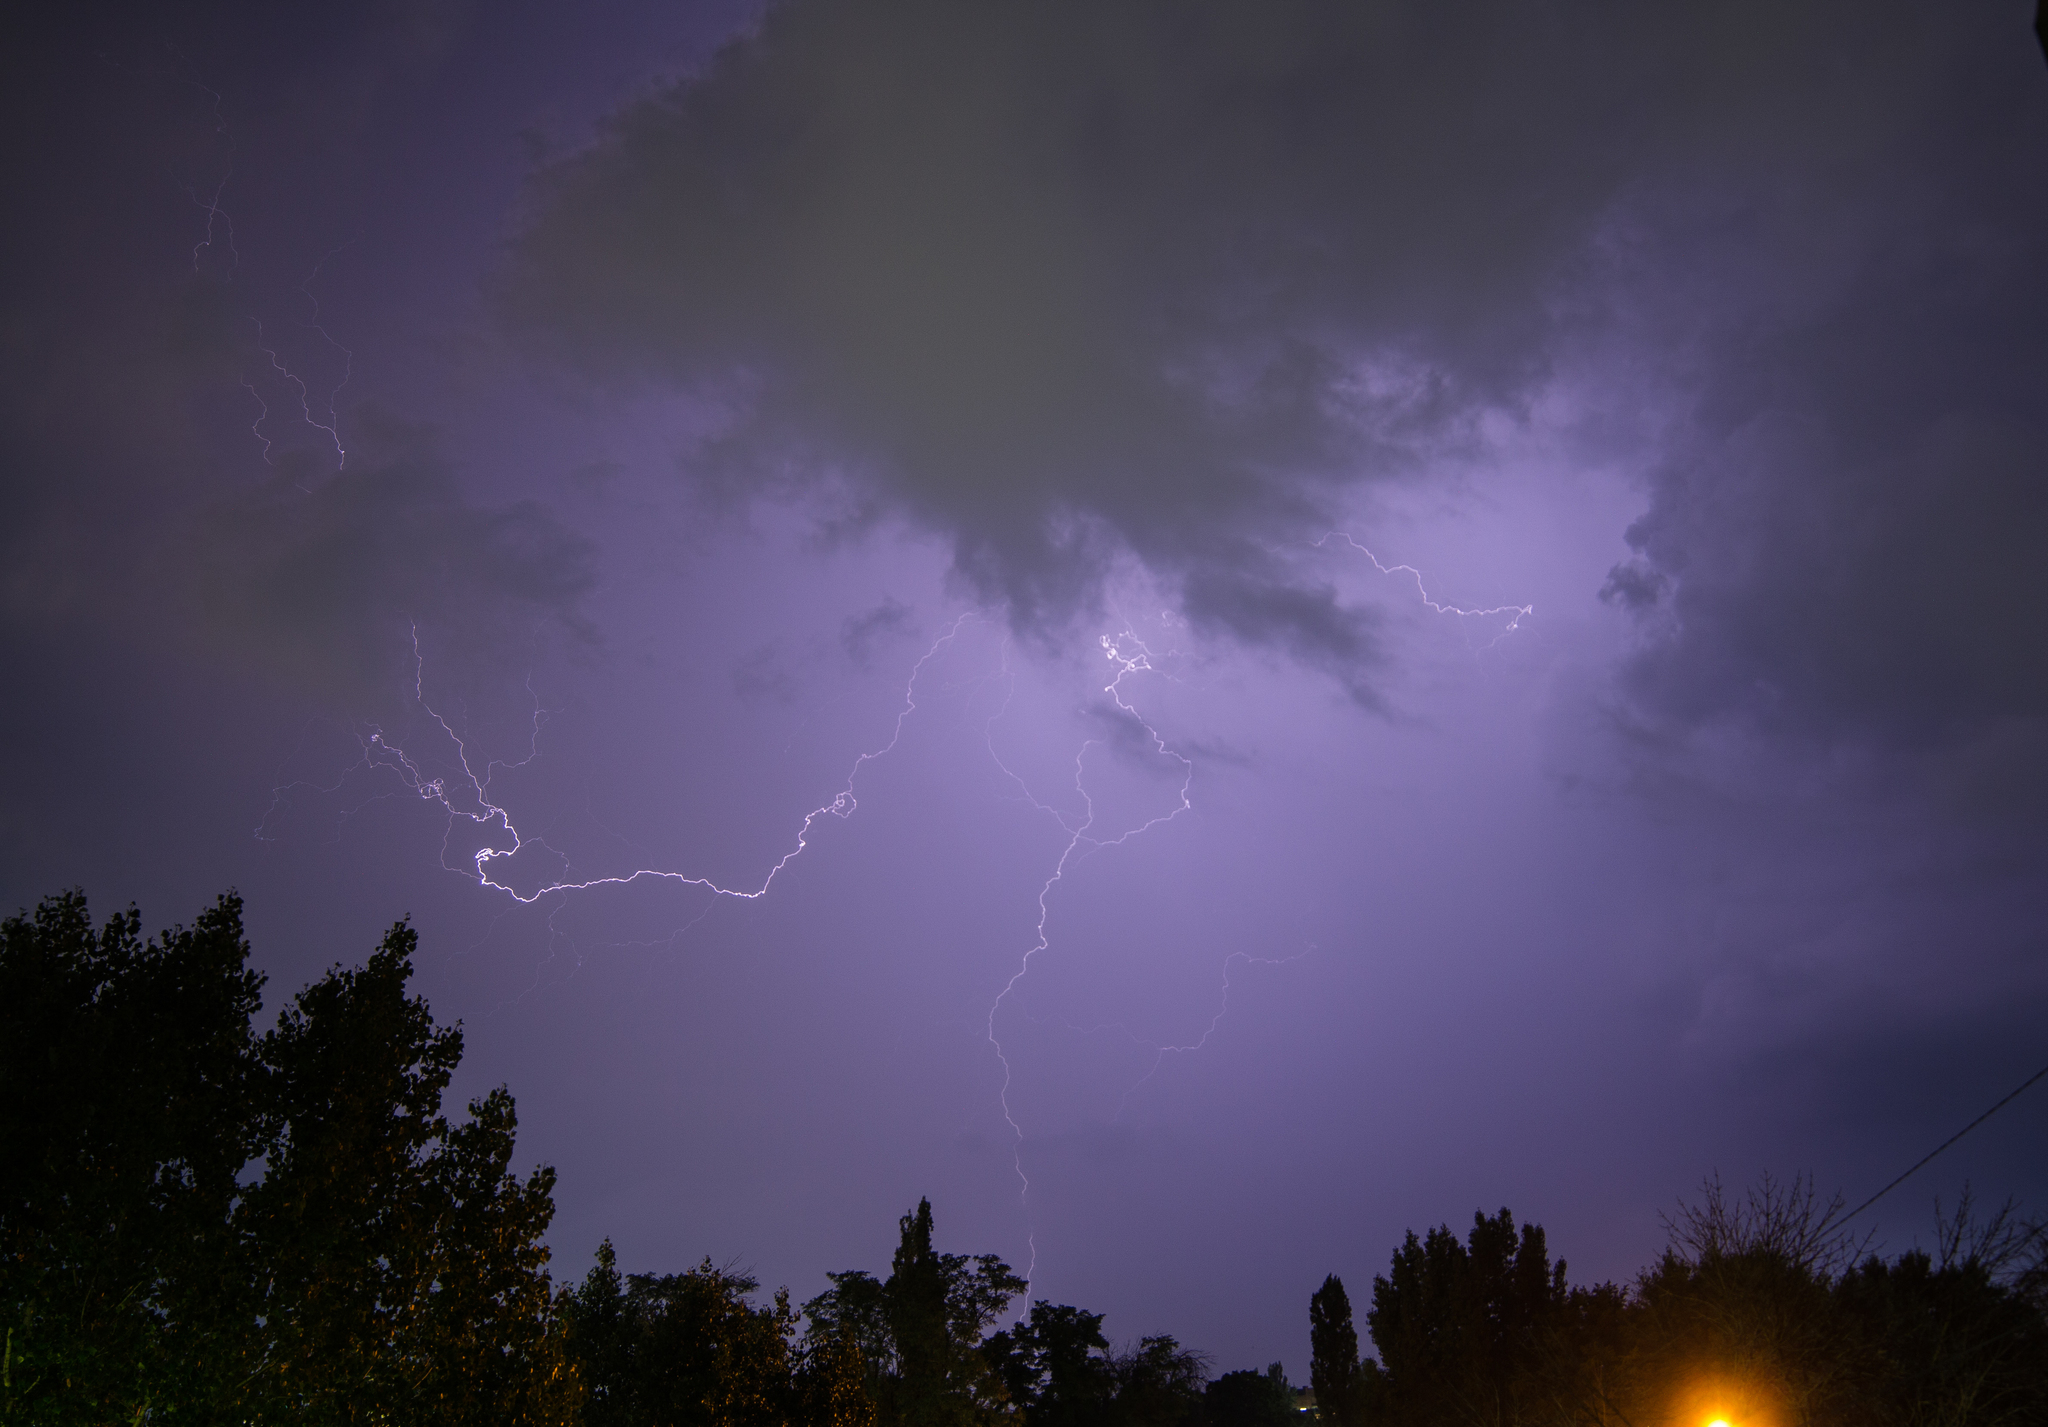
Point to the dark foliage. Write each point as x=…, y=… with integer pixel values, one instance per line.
x=200, y=1224
x=1461, y=1327
x=1335, y=1374
x=397, y=1265
x=681, y=1349
x=919, y=1333
x=1054, y=1365
x=1762, y=1311
x=383, y=1264
x=129, y=1085
x=1157, y=1383
x=1249, y=1399
x=1057, y=1368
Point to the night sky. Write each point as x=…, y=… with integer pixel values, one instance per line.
x=1388, y=609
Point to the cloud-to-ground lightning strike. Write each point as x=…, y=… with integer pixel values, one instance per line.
x=1081, y=840
x=467, y=798
x=1125, y=652
x=1128, y=656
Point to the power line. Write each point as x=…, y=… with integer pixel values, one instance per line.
x=2043, y=1071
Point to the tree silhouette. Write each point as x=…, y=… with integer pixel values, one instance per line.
x=1759, y=1311
x=1461, y=1328
x=1334, y=1373
x=383, y=1263
x=128, y=1078
x=1157, y=1383
x=685, y=1349
x=1249, y=1399
x=398, y=1265
x=1760, y=1302
x=1054, y=1367
x=920, y=1332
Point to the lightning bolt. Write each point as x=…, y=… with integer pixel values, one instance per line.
x=332, y=425
x=220, y=227
x=379, y=752
x=1160, y=1052
x=1129, y=655
x=262, y=415
x=1515, y=613
x=216, y=216
x=348, y=360
x=467, y=798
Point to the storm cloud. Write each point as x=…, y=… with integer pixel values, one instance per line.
x=986, y=412
x=1067, y=282
x=1072, y=282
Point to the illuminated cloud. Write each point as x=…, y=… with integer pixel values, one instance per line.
x=1068, y=281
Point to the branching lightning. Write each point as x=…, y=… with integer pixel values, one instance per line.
x=467, y=799
x=380, y=753
x=331, y=427
x=220, y=227
x=216, y=216
x=1514, y=613
x=1128, y=654
x=305, y=396
x=1160, y=1052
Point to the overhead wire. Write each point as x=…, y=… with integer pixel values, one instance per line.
x=1922, y=1162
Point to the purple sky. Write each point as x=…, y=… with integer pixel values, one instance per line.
x=678, y=421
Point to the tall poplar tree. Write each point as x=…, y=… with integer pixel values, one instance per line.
x=1334, y=1374
x=920, y=1331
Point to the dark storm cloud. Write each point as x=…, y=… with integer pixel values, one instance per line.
x=1066, y=281
x=1306, y=622
x=1844, y=525
x=1848, y=537
x=164, y=478
x=322, y=582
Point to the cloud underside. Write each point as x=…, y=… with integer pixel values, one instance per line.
x=1070, y=283
x=324, y=583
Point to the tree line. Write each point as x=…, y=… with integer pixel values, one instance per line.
x=203, y=1223
x=1764, y=1311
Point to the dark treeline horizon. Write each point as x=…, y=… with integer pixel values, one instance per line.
x=201, y=1223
